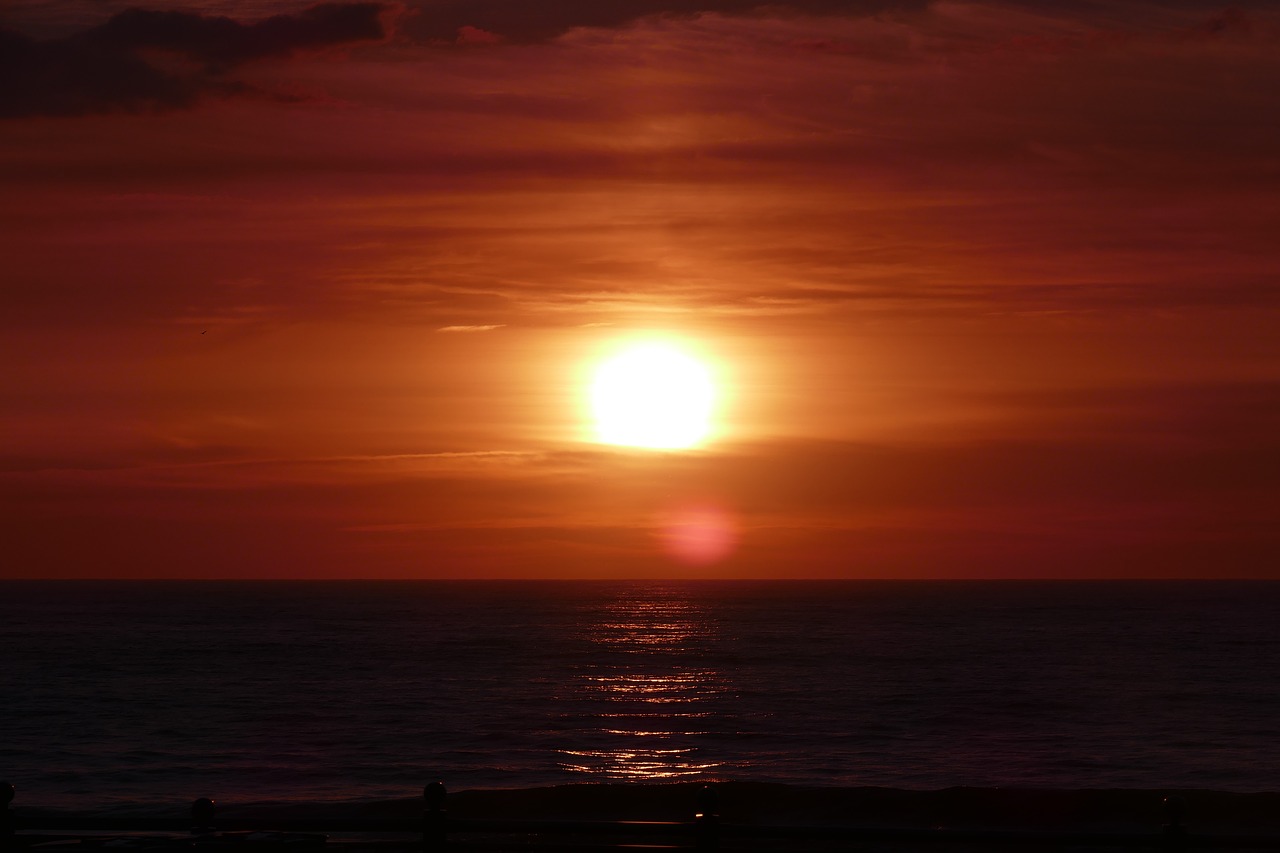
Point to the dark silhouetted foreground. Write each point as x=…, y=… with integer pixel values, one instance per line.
x=727, y=816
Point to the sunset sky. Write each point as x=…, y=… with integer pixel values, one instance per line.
x=984, y=289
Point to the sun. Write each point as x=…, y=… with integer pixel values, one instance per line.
x=652, y=395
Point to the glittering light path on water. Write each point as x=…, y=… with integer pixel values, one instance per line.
x=648, y=706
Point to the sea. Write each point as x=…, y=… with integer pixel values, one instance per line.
x=120, y=693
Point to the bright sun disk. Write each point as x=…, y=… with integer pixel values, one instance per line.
x=652, y=395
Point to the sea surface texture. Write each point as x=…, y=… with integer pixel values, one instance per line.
x=126, y=693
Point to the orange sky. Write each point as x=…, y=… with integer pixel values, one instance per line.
x=992, y=289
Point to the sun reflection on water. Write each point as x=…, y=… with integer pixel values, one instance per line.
x=645, y=692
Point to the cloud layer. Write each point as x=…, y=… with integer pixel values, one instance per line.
x=146, y=60
x=521, y=22
x=990, y=287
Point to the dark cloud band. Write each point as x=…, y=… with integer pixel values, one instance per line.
x=522, y=21
x=107, y=69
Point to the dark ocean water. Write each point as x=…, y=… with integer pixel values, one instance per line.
x=160, y=692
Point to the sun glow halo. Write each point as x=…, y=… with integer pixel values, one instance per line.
x=652, y=395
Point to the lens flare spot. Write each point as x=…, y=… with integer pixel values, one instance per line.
x=698, y=535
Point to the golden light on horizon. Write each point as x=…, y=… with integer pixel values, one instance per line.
x=652, y=395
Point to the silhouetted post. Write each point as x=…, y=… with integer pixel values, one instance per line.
x=6, y=816
x=433, y=828
x=1175, y=834
x=202, y=814
x=706, y=822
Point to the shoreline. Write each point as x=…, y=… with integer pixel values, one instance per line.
x=762, y=803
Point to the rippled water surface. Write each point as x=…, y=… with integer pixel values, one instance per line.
x=158, y=692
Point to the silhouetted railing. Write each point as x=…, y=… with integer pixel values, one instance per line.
x=436, y=832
